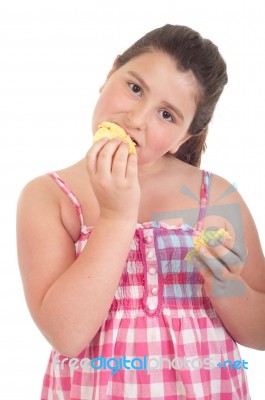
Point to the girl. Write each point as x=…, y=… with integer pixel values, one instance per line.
x=107, y=280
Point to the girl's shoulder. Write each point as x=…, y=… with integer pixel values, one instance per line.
x=193, y=177
x=219, y=188
x=41, y=196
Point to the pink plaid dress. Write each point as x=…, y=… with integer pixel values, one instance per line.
x=160, y=317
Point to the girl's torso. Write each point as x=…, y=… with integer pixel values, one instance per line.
x=159, y=309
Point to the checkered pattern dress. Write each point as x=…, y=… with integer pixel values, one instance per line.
x=160, y=310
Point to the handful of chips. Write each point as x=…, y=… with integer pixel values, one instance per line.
x=207, y=238
x=112, y=130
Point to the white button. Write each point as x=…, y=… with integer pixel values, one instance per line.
x=154, y=291
x=151, y=306
x=148, y=239
x=150, y=254
x=152, y=271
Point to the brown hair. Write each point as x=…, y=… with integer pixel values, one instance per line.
x=191, y=53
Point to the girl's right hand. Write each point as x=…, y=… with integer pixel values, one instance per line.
x=113, y=176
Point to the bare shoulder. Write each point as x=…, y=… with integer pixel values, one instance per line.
x=43, y=187
x=43, y=196
x=39, y=188
x=38, y=197
x=222, y=190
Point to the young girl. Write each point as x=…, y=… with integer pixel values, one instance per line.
x=110, y=285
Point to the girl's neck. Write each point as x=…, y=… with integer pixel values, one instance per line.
x=154, y=169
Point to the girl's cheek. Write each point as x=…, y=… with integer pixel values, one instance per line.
x=114, y=99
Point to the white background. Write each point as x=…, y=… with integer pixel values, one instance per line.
x=54, y=56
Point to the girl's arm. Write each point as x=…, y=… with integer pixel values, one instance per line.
x=69, y=298
x=244, y=316
x=235, y=283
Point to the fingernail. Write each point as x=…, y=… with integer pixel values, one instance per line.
x=195, y=261
x=202, y=250
x=212, y=242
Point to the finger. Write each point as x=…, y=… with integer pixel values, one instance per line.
x=231, y=262
x=205, y=260
x=120, y=160
x=131, y=170
x=217, y=245
x=239, y=249
x=213, y=239
x=233, y=258
x=91, y=155
x=105, y=157
x=202, y=268
x=220, y=282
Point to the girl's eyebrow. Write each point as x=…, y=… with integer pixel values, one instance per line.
x=176, y=110
x=146, y=87
x=143, y=83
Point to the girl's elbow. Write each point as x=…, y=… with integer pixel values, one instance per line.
x=67, y=348
x=255, y=345
x=67, y=345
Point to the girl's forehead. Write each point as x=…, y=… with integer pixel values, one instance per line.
x=159, y=70
x=160, y=64
x=152, y=58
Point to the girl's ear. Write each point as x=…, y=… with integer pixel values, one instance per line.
x=114, y=67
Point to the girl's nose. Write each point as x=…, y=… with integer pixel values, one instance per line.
x=137, y=117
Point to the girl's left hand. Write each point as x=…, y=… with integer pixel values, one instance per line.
x=220, y=264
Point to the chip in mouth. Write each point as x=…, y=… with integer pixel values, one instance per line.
x=112, y=130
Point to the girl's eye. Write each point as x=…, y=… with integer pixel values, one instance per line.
x=165, y=115
x=134, y=88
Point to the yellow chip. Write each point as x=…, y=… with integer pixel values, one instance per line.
x=206, y=235
x=111, y=130
x=202, y=240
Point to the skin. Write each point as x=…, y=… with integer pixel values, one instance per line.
x=69, y=298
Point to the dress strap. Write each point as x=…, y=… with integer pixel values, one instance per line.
x=69, y=194
x=204, y=197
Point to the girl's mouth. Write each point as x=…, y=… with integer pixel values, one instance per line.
x=134, y=142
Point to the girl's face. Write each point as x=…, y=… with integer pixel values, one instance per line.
x=152, y=101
